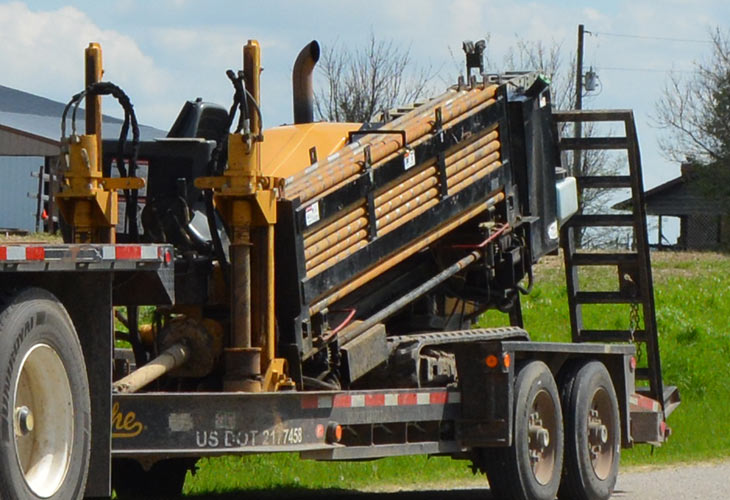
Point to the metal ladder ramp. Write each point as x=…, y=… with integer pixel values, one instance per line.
x=633, y=267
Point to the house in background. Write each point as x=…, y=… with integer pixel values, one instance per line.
x=30, y=131
x=703, y=221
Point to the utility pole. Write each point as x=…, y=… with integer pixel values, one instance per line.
x=578, y=97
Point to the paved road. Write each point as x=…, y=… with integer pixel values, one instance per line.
x=710, y=481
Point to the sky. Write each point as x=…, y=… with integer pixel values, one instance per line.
x=164, y=52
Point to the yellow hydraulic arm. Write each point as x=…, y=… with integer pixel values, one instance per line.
x=88, y=200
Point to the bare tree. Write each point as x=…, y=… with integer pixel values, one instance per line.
x=360, y=82
x=694, y=111
x=549, y=60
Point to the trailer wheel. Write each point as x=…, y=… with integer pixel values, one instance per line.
x=165, y=479
x=45, y=416
x=592, y=434
x=530, y=468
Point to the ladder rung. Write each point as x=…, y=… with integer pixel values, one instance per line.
x=584, y=143
x=604, y=259
x=592, y=115
x=604, y=181
x=602, y=220
x=605, y=298
x=611, y=336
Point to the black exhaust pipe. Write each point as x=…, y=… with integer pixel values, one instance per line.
x=302, y=83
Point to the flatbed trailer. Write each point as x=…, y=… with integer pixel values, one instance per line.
x=353, y=355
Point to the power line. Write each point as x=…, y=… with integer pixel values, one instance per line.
x=646, y=37
x=646, y=70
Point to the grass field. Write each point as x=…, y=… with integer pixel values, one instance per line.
x=693, y=305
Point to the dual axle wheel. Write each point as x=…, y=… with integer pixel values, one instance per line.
x=566, y=441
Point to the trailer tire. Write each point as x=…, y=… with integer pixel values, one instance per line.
x=592, y=434
x=536, y=410
x=45, y=413
x=165, y=479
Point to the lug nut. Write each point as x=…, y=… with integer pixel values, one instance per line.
x=23, y=421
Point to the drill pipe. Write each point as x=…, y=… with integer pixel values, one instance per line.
x=346, y=243
x=469, y=163
x=409, y=210
x=476, y=176
x=352, y=333
x=344, y=164
x=399, y=257
x=452, y=155
x=398, y=195
x=338, y=223
x=172, y=357
x=326, y=168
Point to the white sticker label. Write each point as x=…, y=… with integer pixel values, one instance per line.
x=409, y=159
x=180, y=422
x=553, y=231
x=311, y=214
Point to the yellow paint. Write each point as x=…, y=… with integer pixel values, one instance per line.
x=125, y=425
x=275, y=378
x=285, y=150
x=88, y=201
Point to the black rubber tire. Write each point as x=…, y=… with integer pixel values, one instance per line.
x=511, y=468
x=493, y=462
x=165, y=479
x=580, y=480
x=33, y=321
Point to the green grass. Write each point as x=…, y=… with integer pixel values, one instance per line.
x=692, y=294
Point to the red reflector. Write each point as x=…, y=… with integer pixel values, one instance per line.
x=3, y=253
x=374, y=399
x=491, y=361
x=439, y=398
x=409, y=398
x=129, y=252
x=309, y=402
x=342, y=401
x=35, y=253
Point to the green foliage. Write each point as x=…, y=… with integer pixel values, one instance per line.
x=692, y=294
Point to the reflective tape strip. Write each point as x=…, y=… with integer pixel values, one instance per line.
x=35, y=253
x=380, y=400
x=149, y=253
x=18, y=253
x=108, y=253
x=80, y=253
x=644, y=403
x=128, y=252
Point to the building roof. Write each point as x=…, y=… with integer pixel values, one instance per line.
x=677, y=197
x=30, y=125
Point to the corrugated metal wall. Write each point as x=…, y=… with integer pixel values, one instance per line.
x=17, y=210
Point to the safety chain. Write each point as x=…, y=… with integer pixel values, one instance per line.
x=633, y=326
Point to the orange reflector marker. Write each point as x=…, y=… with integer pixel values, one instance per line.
x=319, y=431
x=632, y=363
x=334, y=432
x=492, y=361
x=506, y=360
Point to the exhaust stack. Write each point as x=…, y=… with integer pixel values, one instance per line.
x=302, y=83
